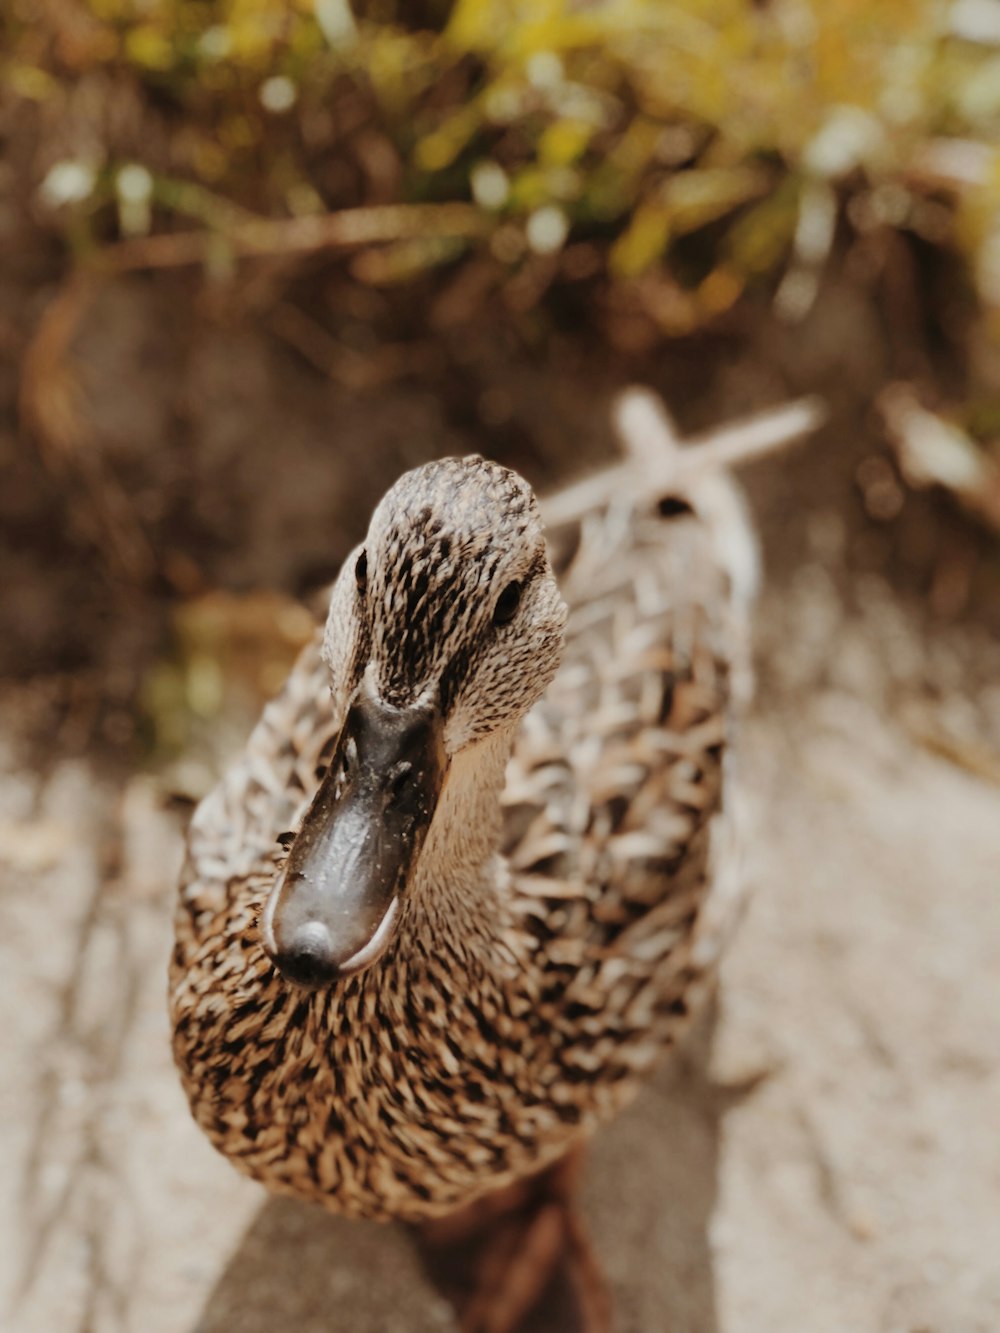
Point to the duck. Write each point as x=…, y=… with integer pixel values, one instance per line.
x=474, y=871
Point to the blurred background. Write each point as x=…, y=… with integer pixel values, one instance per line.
x=259, y=256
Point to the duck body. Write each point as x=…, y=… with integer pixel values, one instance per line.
x=571, y=889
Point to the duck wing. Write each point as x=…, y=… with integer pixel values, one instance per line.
x=619, y=810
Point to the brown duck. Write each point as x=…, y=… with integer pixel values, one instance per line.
x=476, y=865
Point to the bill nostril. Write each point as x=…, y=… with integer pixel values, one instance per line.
x=401, y=783
x=308, y=958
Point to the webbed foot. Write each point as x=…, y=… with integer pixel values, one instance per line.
x=521, y=1259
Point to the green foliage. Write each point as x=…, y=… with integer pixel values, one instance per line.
x=702, y=145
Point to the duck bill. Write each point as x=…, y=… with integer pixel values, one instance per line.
x=335, y=908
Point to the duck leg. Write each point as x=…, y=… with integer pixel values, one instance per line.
x=520, y=1246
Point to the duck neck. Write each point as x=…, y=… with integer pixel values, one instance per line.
x=459, y=870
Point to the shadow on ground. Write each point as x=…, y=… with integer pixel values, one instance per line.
x=649, y=1195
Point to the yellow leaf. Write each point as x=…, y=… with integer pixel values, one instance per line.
x=392, y=264
x=30, y=82
x=699, y=196
x=643, y=242
x=149, y=47
x=441, y=147
x=719, y=291
x=563, y=142
x=760, y=238
x=529, y=189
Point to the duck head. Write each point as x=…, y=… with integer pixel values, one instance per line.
x=445, y=627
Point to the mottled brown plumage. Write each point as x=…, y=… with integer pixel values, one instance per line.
x=577, y=880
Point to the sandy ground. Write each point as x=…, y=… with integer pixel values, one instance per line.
x=824, y=1159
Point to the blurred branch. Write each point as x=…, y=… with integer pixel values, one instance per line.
x=952, y=164
x=606, y=127
x=347, y=229
x=971, y=756
x=934, y=452
x=356, y=371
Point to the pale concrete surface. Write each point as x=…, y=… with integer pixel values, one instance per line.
x=834, y=1166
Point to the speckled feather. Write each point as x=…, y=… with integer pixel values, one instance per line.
x=518, y=1008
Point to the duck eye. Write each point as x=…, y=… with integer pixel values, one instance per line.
x=507, y=604
x=361, y=571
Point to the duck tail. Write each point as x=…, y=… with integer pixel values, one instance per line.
x=663, y=465
x=695, y=472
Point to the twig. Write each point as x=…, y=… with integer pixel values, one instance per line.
x=350, y=228
x=340, y=363
x=967, y=755
x=952, y=164
x=935, y=452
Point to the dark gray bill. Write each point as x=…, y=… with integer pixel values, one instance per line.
x=333, y=911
